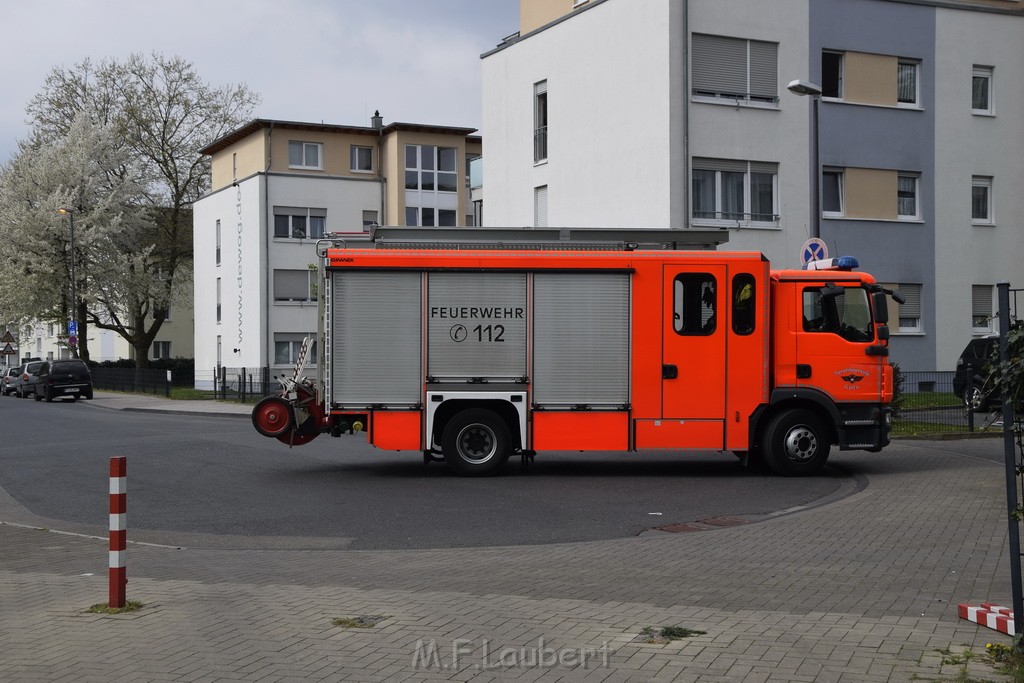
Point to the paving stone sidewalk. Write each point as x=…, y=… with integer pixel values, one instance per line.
x=864, y=589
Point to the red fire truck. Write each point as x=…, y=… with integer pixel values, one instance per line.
x=472, y=346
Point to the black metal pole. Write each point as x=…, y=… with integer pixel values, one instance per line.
x=970, y=393
x=1010, y=458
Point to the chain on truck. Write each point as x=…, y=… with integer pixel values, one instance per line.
x=473, y=345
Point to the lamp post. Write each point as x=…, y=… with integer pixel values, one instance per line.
x=74, y=300
x=813, y=91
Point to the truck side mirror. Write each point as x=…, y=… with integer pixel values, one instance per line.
x=880, y=307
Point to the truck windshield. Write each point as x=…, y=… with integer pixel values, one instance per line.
x=848, y=314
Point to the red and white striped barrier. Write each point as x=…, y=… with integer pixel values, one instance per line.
x=118, y=578
x=992, y=616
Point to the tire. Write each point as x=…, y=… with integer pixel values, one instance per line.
x=476, y=443
x=795, y=443
x=273, y=417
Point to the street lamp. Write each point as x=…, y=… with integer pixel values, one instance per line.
x=813, y=91
x=74, y=305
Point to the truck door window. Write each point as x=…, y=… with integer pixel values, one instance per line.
x=848, y=314
x=743, y=304
x=694, y=304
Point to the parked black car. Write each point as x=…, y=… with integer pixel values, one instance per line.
x=970, y=381
x=67, y=378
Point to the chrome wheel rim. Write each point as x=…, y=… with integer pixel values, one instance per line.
x=801, y=444
x=477, y=443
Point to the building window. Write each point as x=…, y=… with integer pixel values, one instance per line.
x=832, y=193
x=164, y=311
x=218, y=301
x=287, y=346
x=909, y=313
x=361, y=159
x=832, y=74
x=906, y=193
x=295, y=285
x=906, y=83
x=308, y=155
x=217, y=257
x=723, y=189
x=981, y=200
x=431, y=184
x=161, y=349
x=981, y=90
x=540, y=206
x=292, y=222
x=427, y=216
x=430, y=168
x=735, y=68
x=981, y=309
x=540, y=122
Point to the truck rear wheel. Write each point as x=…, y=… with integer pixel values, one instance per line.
x=795, y=443
x=476, y=443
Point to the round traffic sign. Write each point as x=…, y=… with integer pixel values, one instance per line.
x=72, y=341
x=814, y=249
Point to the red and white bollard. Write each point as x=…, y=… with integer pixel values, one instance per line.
x=118, y=531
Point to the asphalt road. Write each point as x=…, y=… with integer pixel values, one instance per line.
x=208, y=481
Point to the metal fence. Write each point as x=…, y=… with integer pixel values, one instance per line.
x=929, y=406
x=237, y=384
x=242, y=384
x=133, y=380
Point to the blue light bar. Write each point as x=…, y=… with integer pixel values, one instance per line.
x=846, y=263
x=838, y=263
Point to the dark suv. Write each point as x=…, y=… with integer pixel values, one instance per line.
x=970, y=381
x=67, y=378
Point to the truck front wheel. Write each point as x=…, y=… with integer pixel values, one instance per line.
x=795, y=443
x=476, y=443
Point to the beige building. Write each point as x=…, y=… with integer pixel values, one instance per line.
x=278, y=187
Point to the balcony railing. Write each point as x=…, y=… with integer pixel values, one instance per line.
x=540, y=144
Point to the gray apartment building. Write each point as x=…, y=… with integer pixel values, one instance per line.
x=676, y=113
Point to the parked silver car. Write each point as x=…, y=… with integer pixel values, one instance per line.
x=7, y=381
x=25, y=385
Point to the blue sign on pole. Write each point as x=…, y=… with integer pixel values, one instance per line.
x=72, y=328
x=813, y=250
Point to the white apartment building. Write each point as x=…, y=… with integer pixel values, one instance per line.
x=277, y=188
x=675, y=113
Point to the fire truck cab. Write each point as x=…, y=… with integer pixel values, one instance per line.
x=473, y=352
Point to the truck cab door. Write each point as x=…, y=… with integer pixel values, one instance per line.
x=832, y=344
x=693, y=351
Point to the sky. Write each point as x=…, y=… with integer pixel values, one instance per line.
x=335, y=61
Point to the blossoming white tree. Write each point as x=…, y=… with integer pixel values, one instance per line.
x=118, y=143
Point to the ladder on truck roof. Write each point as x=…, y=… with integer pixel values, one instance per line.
x=550, y=239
